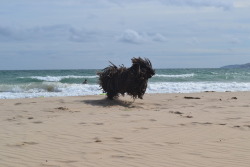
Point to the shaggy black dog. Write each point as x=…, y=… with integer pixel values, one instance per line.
x=133, y=80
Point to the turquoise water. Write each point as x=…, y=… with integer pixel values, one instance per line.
x=46, y=83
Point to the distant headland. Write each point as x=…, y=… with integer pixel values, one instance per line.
x=237, y=66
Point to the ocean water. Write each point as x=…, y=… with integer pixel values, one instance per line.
x=49, y=83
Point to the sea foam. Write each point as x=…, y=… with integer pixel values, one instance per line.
x=192, y=87
x=50, y=89
x=175, y=76
x=57, y=78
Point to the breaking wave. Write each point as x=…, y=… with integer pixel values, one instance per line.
x=57, y=78
x=52, y=89
x=175, y=76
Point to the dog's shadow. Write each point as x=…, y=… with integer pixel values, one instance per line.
x=108, y=103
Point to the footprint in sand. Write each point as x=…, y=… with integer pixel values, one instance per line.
x=65, y=109
x=247, y=126
x=125, y=115
x=37, y=122
x=245, y=106
x=206, y=123
x=175, y=112
x=11, y=119
x=152, y=120
x=83, y=123
x=98, y=123
x=117, y=138
x=188, y=97
x=233, y=118
x=97, y=140
x=236, y=126
x=122, y=156
x=243, y=127
x=20, y=123
x=222, y=124
x=68, y=161
x=188, y=116
x=22, y=144
x=30, y=143
x=202, y=123
x=180, y=113
x=172, y=143
x=142, y=128
x=62, y=108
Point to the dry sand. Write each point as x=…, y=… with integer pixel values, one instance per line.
x=163, y=130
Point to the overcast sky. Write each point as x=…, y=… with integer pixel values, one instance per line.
x=83, y=34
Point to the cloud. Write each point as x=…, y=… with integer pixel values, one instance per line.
x=5, y=33
x=201, y=3
x=98, y=28
x=8, y=34
x=242, y=4
x=83, y=35
x=134, y=37
x=131, y=36
x=158, y=37
x=234, y=40
x=112, y=3
x=38, y=33
x=48, y=33
x=193, y=41
x=225, y=4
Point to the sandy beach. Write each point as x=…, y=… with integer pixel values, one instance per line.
x=162, y=130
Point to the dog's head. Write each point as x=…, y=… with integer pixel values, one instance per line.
x=143, y=67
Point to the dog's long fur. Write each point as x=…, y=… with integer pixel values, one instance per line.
x=120, y=80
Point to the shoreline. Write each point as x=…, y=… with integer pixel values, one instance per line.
x=171, y=129
x=120, y=97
